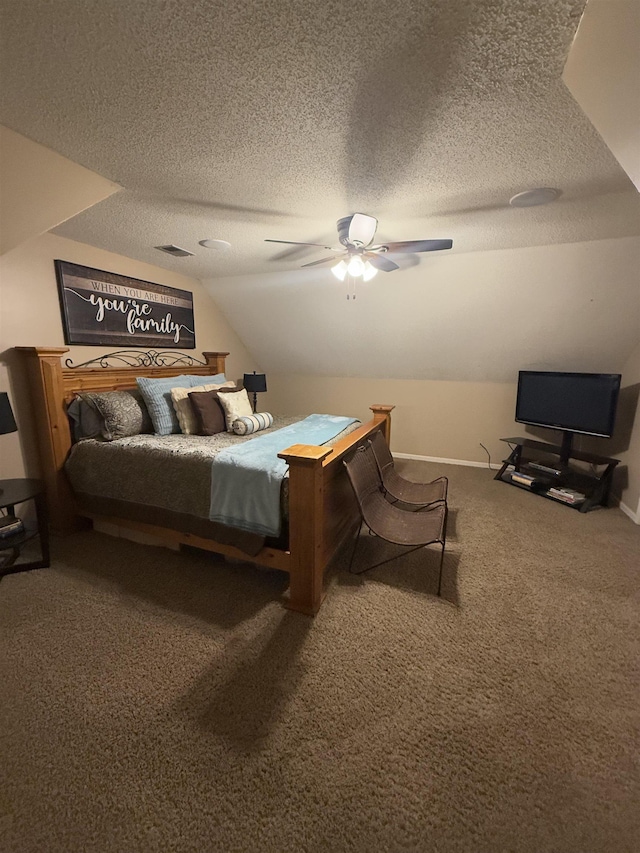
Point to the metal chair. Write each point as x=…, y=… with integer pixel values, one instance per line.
x=400, y=489
x=399, y=526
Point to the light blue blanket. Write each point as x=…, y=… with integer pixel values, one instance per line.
x=246, y=480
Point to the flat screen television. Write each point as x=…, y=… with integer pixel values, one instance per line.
x=582, y=403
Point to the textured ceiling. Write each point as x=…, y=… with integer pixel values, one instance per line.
x=273, y=118
x=247, y=120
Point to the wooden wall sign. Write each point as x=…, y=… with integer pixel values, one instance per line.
x=106, y=309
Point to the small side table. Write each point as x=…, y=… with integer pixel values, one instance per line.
x=14, y=492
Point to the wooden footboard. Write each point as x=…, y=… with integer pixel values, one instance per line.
x=322, y=509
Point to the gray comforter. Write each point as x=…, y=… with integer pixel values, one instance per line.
x=170, y=472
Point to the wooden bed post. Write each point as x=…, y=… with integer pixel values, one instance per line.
x=306, y=543
x=44, y=369
x=215, y=360
x=382, y=415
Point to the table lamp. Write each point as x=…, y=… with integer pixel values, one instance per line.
x=255, y=383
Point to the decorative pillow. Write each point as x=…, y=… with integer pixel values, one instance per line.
x=208, y=411
x=123, y=412
x=86, y=422
x=252, y=423
x=236, y=405
x=183, y=408
x=157, y=395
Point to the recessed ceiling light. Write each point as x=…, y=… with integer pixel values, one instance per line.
x=530, y=198
x=220, y=245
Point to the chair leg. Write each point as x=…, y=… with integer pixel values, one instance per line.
x=355, y=546
x=388, y=560
x=444, y=542
x=440, y=573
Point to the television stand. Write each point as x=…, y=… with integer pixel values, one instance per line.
x=545, y=467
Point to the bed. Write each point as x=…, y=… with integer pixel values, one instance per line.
x=321, y=507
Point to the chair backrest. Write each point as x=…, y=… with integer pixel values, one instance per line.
x=381, y=452
x=364, y=475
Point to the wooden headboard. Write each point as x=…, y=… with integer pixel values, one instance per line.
x=53, y=385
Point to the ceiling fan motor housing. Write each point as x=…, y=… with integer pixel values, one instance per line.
x=343, y=230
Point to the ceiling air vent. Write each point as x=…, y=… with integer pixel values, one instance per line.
x=176, y=251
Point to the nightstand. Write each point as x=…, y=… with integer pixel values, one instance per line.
x=12, y=493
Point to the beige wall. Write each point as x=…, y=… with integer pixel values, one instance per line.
x=432, y=418
x=602, y=73
x=39, y=189
x=450, y=420
x=463, y=317
x=30, y=316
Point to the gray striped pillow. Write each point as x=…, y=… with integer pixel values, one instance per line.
x=252, y=423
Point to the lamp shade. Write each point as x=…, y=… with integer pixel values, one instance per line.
x=7, y=421
x=255, y=382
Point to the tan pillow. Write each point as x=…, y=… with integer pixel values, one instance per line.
x=183, y=408
x=236, y=405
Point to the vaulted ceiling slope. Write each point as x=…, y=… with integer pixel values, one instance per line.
x=273, y=118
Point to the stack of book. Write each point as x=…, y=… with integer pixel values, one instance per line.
x=569, y=496
x=10, y=526
x=522, y=479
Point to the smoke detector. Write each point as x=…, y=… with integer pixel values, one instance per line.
x=176, y=251
x=220, y=245
x=531, y=198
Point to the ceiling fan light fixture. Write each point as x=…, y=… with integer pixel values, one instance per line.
x=369, y=271
x=355, y=267
x=361, y=260
x=340, y=271
x=362, y=229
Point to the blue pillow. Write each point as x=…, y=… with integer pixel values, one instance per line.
x=156, y=393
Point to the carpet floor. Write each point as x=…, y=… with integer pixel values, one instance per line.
x=163, y=701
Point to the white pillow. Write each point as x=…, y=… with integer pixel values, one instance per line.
x=235, y=404
x=183, y=408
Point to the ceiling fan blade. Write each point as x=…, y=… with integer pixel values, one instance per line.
x=362, y=229
x=414, y=246
x=294, y=243
x=381, y=262
x=322, y=261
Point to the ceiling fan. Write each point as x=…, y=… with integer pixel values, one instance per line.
x=359, y=258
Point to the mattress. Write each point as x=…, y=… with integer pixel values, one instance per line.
x=164, y=480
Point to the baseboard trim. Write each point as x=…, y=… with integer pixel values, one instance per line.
x=634, y=516
x=443, y=461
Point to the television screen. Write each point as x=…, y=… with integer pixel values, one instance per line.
x=575, y=402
